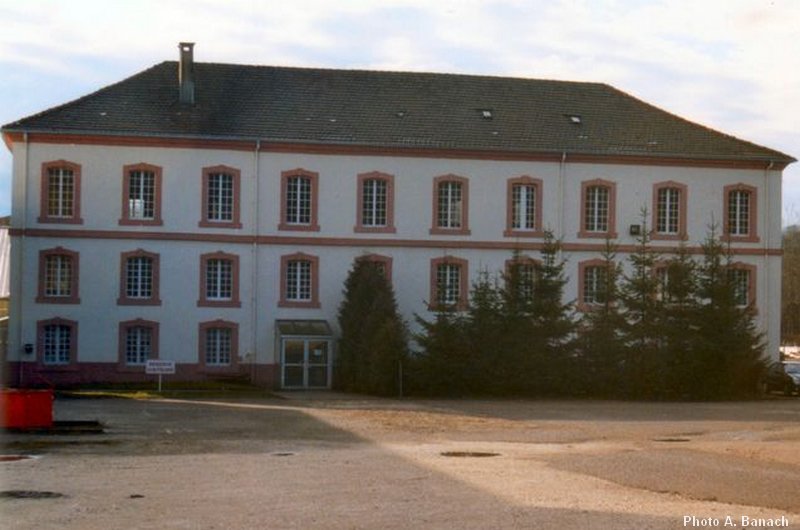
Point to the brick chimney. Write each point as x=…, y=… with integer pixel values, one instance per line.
x=186, y=73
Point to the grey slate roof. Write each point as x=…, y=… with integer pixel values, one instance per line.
x=391, y=109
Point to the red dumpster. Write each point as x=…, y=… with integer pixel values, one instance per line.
x=26, y=409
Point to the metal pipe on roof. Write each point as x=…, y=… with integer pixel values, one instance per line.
x=186, y=73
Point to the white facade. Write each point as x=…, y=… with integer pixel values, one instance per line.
x=100, y=240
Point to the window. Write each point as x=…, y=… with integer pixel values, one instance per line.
x=60, y=193
x=450, y=205
x=449, y=283
x=139, y=278
x=57, y=343
x=375, y=203
x=138, y=342
x=740, y=216
x=299, y=197
x=526, y=270
x=669, y=211
x=592, y=283
x=742, y=280
x=221, y=197
x=383, y=263
x=663, y=293
x=299, y=281
x=598, y=215
x=58, y=276
x=141, y=195
x=219, y=344
x=219, y=280
x=524, y=208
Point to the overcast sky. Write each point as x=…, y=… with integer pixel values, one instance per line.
x=733, y=65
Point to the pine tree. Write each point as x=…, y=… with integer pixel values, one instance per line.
x=600, y=345
x=439, y=367
x=374, y=337
x=729, y=350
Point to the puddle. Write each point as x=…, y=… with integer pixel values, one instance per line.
x=468, y=454
x=27, y=494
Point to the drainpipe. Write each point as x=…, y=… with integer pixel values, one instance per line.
x=768, y=243
x=254, y=208
x=21, y=256
x=561, y=176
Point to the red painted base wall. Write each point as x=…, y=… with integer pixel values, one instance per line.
x=34, y=375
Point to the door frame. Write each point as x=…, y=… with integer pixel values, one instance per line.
x=306, y=339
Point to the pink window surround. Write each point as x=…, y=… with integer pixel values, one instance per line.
x=389, y=228
x=126, y=219
x=313, y=225
x=463, y=287
x=124, y=299
x=72, y=365
x=582, y=266
x=683, y=190
x=752, y=221
x=752, y=270
x=386, y=261
x=462, y=230
x=537, y=231
x=313, y=302
x=122, y=362
x=45, y=215
x=234, y=301
x=521, y=260
x=74, y=259
x=235, y=222
x=611, y=233
x=203, y=328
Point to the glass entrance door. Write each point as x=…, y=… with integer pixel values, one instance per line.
x=306, y=363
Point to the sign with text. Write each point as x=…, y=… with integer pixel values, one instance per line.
x=157, y=366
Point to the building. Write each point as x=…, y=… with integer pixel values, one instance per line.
x=209, y=213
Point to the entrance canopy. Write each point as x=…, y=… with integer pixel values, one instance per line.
x=303, y=328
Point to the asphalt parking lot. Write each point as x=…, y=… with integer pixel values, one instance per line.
x=337, y=461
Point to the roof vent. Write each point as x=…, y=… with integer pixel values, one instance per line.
x=186, y=73
x=575, y=118
x=486, y=114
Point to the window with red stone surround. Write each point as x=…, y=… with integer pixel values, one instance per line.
x=60, y=199
x=449, y=284
x=741, y=214
x=221, y=200
x=375, y=203
x=141, y=195
x=139, y=278
x=218, y=346
x=527, y=270
x=598, y=209
x=299, y=200
x=669, y=211
x=524, y=207
x=219, y=280
x=743, y=278
x=57, y=344
x=59, y=273
x=450, y=206
x=138, y=342
x=384, y=263
x=299, y=281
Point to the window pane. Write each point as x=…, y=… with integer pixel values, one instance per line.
x=58, y=275
x=141, y=195
x=450, y=205
x=138, y=345
x=57, y=341
x=298, y=200
x=220, y=197
x=523, y=201
x=219, y=279
x=594, y=279
x=596, y=209
x=374, y=202
x=298, y=280
x=740, y=283
x=739, y=212
x=218, y=346
x=448, y=284
x=139, y=277
x=60, y=192
x=668, y=211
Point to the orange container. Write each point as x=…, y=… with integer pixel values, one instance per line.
x=26, y=409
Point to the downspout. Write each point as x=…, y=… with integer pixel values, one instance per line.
x=561, y=176
x=21, y=255
x=768, y=245
x=254, y=208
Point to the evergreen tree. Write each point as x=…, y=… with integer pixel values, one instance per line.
x=600, y=345
x=729, y=348
x=373, y=335
x=643, y=311
x=439, y=367
x=486, y=359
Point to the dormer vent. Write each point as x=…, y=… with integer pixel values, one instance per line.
x=186, y=73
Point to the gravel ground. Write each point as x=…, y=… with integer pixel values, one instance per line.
x=342, y=462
